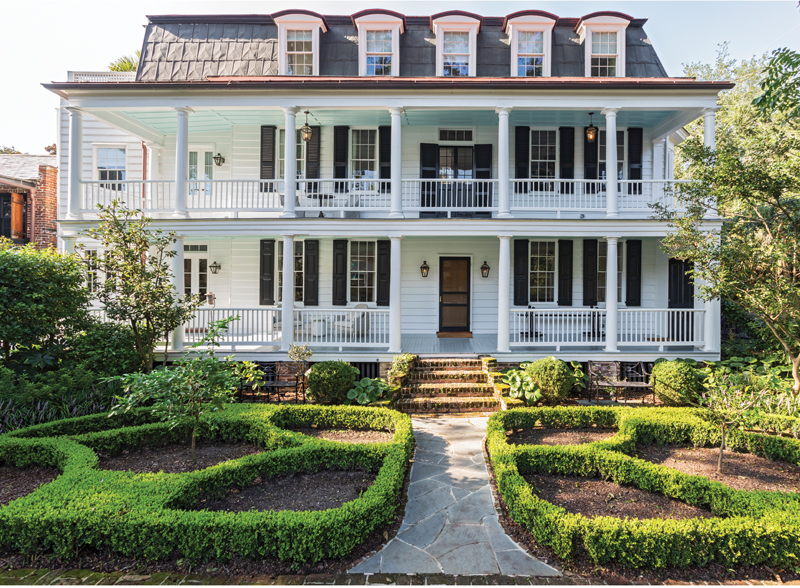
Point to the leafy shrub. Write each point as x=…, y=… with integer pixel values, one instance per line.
x=401, y=368
x=521, y=386
x=677, y=383
x=553, y=377
x=330, y=381
x=107, y=349
x=367, y=391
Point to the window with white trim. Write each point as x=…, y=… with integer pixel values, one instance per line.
x=300, y=153
x=195, y=269
x=601, y=156
x=530, y=53
x=297, y=265
x=299, y=52
x=455, y=54
x=362, y=271
x=544, y=157
x=201, y=167
x=379, y=52
x=602, y=259
x=91, y=270
x=364, y=151
x=604, y=54
x=111, y=166
x=542, y=271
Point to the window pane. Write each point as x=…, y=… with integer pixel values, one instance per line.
x=530, y=42
x=456, y=42
x=379, y=41
x=530, y=67
x=362, y=271
x=542, y=271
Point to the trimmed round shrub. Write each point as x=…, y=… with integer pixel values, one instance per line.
x=676, y=383
x=554, y=378
x=330, y=381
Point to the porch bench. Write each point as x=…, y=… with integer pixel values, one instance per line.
x=608, y=374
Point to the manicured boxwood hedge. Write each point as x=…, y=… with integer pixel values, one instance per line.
x=144, y=516
x=754, y=527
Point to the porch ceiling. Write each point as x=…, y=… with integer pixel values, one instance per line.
x=165, y=121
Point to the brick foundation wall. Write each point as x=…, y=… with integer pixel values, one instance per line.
x=46, y=213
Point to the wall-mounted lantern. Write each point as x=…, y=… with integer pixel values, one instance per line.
x=485, y=270
x=218, y=159
x=215, y=267
x=424, y=269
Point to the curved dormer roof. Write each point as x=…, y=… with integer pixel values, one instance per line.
x=524, y=13
x=378, y=12
x=457, y=13
x=300, y=12
x=611, y=13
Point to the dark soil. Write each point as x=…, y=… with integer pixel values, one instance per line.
x=542, y=436
x=176, y=458
x=348, y=436
x=18, y=482
x=742, y=471
x=591, y=497
x=319, y=491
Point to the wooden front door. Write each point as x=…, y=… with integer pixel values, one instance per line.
x=681, y=295
x=454, y=294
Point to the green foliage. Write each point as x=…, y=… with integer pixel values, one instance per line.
x=107, y=349
x=42, y=297
x=521, y=386
x=677, y=383
x=754, y=527
x=125, y=63
x=401, y=368
x=150, y=516
x=300, y=353
x=367, y=391
x=553, y=377
x=4, y=150
x=330, y=381
x=781, y=85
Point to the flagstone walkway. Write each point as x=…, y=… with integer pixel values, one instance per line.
x=451, y=525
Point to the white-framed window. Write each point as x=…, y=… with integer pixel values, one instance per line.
x=363, y=279
x=364, y=157
x=300, y=152
x=195, y=269
x=604, y=54
x=298, y=43
x=602, y=258
x=456, y=45
x=604, y=46
x=379, y=52
x=542, y=275
x=530, y=54
x=602, y=168
x=92, y=266
x=455, y=135
x=455, y=54
x=378, y=42
x=297, y=264
x=110, y=164
x=299, y=52
x=201, y=167
x=531, y=39
x=544, y=155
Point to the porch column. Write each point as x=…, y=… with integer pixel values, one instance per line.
x=152, y=195
x=504, y=207
x=612, y=206
x=504, y=295
x=287, y=289
x=182, y=164
x=397, y=166
x=176, y=343
x=75, y=162
x=395, y=305
x=69, y=244
x=611, y=295
x=289, y=165
x=709, y=128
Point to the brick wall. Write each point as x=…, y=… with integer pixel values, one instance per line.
x=44, y=231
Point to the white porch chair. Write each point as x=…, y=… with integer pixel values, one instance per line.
x=354, y=324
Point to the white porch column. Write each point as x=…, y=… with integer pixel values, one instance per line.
x=611, y=295
x=182, y=164
x=709, y=128
x=504, y=206
x=69, y=244
x=397, y=165
x=75, y=162
x=289, y=165
x=504, y=295
x=176, y=343
x=287, y=290
x=153, y=197
x=395, y=292
x=612, y=205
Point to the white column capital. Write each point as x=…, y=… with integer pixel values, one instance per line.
x=183, y=110
x=396, y=110
x=395, y=237
x=503, y=110
x=74, y=110
x=612, y=238
x=710, y=110
x=610, y=111
x=504, y=237
x=292, y=110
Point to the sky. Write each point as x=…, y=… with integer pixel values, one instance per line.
x=49, y=38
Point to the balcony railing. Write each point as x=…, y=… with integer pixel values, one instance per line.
x=437, y=195
x=346, y=327
x=659, y=327
x=256, y=326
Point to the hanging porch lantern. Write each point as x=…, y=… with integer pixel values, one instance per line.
x=591, y=130
x=306, y=131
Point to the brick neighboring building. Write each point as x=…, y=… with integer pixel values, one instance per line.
x=29, y=198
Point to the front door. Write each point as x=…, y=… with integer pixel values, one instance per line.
x=454, y=284
x=681, y=295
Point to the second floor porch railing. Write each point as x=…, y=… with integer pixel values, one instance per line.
x=418, y=195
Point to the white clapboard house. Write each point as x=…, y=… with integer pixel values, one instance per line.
x=377, y=183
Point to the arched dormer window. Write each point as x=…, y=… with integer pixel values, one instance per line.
x=456, y=43
x=298, y=41
x=603, y=37
x=530, y=34
x=379, y=42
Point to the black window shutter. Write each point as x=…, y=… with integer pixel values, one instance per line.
x=590, y=272
x=384, y=268
x=590, y=157
x=567, y=153
x=633, y=273
x=267, y=153
x=522, y=146
x=340, y=156
x=312, y=155
x=635, y=144
x=266, y=295
x=428, y=161
x=311, y=273
x=385, y=152
x=340, y=272
x=483, y=162
x=565, y=272
x=521, y=263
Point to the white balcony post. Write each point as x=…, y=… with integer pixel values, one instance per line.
x=395, y=292
x=611, y=295
x=504, y=207
x=151, y=195
x=75, y=162
x=397, y=164
x=287, y=291
x=176, y=343
x=504, y=295
x=182, y=163
x=289, y=164
x=612, y=204
x=709, y=128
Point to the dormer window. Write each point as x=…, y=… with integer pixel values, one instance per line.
x=456, y=43
x=298, y=41
x=379, y=53
x=530, y=34
x=530, y=54
x=455, y=55
x=299, y=53
x=379, y=42
x=604, y=54
x=603, y=37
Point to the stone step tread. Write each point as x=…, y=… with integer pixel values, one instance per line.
x=455, y=404
x=446, y=385
x=450, y=373
x=448, y=363
x=439, y=380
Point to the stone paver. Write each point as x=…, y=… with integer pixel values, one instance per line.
x=450, y=524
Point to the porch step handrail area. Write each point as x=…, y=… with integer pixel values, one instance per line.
x=342, y=327
x=373, y=195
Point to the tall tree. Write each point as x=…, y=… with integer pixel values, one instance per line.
x=125, y=63
x=8, y=150
x=781, y=85
x=51, y=149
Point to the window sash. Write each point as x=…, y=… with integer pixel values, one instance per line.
x=364, y=155
x=455, y=54
x=544, y=155
x=297, y=269
x=299, y=52
x=363, y=271
x=91, y=270
x=195, y=275
x=601, y=155
x=602, y=259
x=542, y=272
x=604, y=54
x=111, y=166
x=300, y=152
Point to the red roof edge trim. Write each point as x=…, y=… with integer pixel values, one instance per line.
x=528, y=13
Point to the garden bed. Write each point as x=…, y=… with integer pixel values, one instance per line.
x=543, y=436
x=175, y=458
x=347, y=436
x=18, y=482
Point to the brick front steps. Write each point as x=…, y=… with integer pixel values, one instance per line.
x=447, y=386
x=448, y=404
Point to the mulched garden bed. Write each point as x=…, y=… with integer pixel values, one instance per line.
x=542, y=436
x=742, y=471
x=319, y=491
x=348, y=436
x=175, y=458
x=18, y=482
x=592, y=497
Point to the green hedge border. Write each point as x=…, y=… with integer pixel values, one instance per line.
x=141, y=515
x=757, y=527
